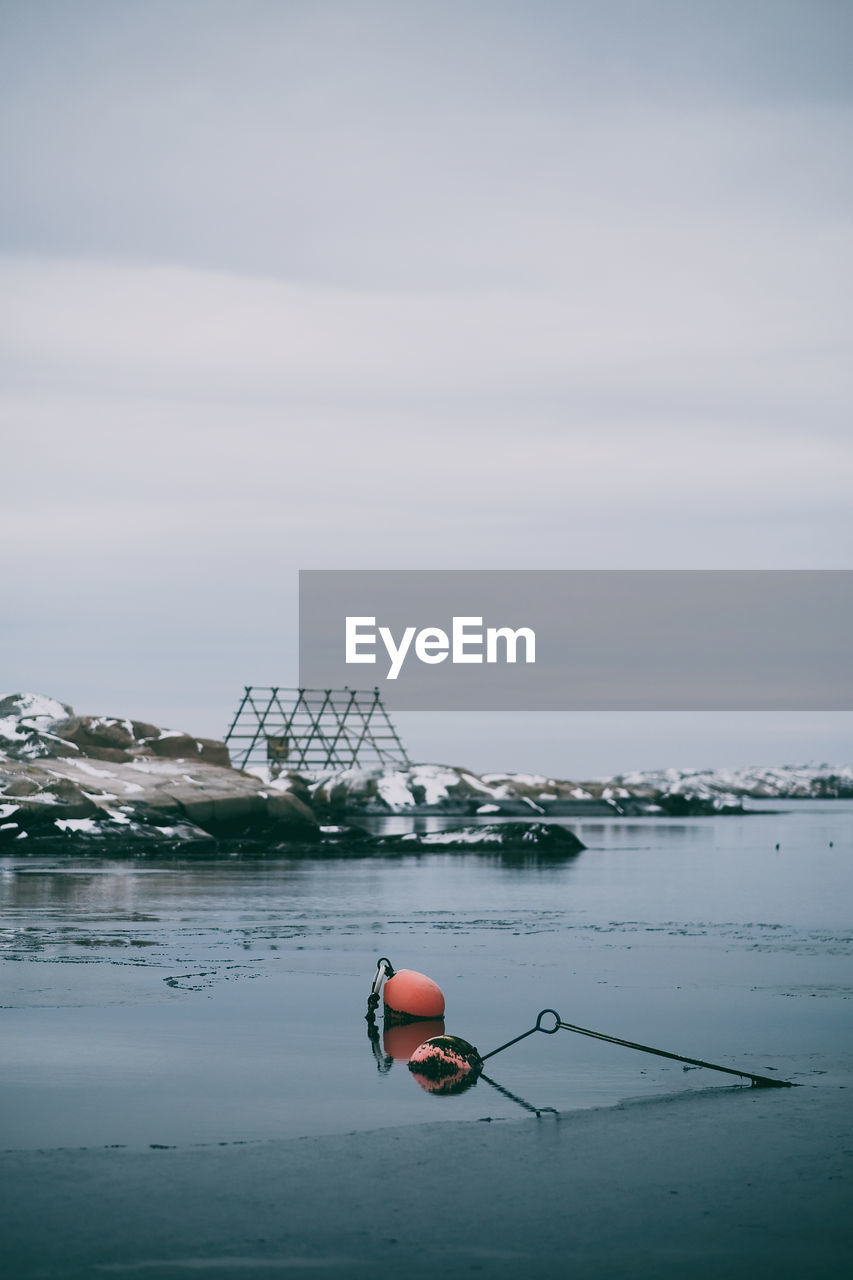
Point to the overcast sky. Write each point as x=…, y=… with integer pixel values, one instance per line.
x=384, y=285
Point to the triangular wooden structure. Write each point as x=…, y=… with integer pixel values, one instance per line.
x=313, y=730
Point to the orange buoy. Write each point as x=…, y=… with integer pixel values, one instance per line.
x=401, y=1039
x=412, y=995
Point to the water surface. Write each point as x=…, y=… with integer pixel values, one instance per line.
x=200, y=1002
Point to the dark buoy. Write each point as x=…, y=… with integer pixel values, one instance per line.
x=410, y=995
x=446, y=1064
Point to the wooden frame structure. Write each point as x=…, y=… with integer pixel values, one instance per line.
x=312, y=730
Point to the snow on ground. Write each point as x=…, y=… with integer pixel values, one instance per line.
x=107, y=722
x=10, y=729
x=150, y=764
x=393, y=788
x=90, y=825
x=431, y=784
x=477, y=783
x=520, y=779
x=436, y=781
x=37, y=706
x=117, y=816
x=756, y=781
x=465, y=835
x=85, y=767
x=401, y=788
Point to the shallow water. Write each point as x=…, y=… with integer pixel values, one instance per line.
x=187, y=1002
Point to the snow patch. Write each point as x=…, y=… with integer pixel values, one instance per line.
x=91, y=770
x=394, y=790
x=117, y=816
x=532, y=803
x=36, y=706
x=89, y=825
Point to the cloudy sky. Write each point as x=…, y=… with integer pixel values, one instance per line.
x=350, y=284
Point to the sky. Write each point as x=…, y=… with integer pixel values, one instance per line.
x=357, y=284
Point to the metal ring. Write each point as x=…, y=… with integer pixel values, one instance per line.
x=549, y=1031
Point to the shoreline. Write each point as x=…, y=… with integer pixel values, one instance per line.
x=725, y=1182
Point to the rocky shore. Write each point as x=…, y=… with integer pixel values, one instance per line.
x=432, y=788
x=117, y=787
x=71, y=782
x=74, y=783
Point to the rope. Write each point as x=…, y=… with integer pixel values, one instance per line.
x=384, y=969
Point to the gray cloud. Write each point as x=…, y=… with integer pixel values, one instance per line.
x=373, y=285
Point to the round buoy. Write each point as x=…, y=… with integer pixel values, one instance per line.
x=412, y=995
x=446, y=1064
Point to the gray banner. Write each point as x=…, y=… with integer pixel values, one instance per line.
x=586, y=640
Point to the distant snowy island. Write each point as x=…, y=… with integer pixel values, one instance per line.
x=72, y=783
x=438, y=788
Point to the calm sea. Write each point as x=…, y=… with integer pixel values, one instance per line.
x=194, y=1002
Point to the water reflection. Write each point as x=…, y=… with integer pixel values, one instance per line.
x=400, y=1040
x=641, y=832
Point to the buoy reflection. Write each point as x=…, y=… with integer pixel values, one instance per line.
x=459, y=1082
x=401, y=1039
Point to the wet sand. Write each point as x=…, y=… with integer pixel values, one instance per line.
x=724, y=1182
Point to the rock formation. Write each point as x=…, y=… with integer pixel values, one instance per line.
x=98, y=781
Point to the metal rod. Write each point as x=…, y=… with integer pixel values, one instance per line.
x=761, y=1082
x=501, y=1048
x=549, y=1031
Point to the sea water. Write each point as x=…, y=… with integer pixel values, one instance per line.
x=148, y=1002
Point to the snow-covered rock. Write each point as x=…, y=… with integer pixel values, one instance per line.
x=444, y=788
x=527, y=837
x=72, y=781
x=33, y=726
x=395, y=790
x=807, y=781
